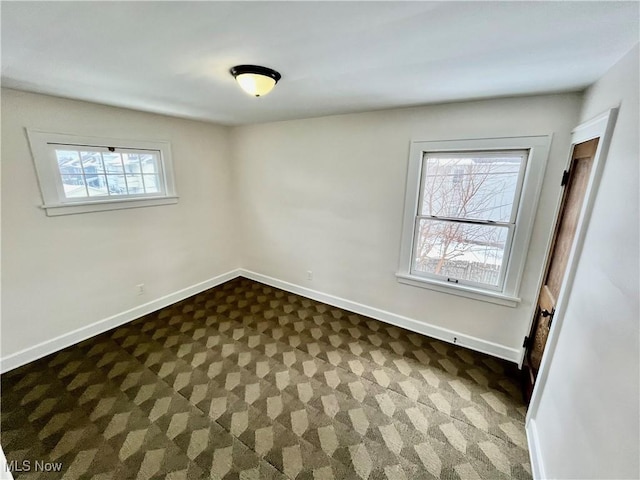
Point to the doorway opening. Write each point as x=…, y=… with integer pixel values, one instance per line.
x=575, y=181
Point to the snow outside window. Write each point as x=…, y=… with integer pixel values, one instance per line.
x=85, y=174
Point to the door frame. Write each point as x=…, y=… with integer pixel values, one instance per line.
x=602, y=127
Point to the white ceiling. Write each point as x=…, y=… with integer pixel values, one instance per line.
x=334, y=57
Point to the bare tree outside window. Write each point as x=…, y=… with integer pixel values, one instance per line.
x=466, y=210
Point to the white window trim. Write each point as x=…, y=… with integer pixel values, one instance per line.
x=538, y=147
x=48, y=175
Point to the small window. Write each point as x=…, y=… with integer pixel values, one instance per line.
x=84, y=174
x=469, y=215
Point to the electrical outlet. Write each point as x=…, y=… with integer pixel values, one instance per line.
x=309, y=275
x=140, y=288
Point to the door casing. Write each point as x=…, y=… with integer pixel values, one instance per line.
x=598, y=127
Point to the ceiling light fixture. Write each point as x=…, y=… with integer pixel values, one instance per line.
x=254, y=79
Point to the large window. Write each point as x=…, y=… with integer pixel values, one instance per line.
x=469, y=209
x=82, y=174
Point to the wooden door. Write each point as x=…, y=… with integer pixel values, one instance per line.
x=575, y=180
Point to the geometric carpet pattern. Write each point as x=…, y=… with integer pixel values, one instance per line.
x=246, y=381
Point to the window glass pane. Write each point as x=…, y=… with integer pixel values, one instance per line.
x=149, y=163
x=135, y=184
x=97, y=185
x=112, y=162
x=131, y=162
x=479, y=186
x=464, y=251
x=152, y=183
x=68, y=162
x=94, y=192
x=116, y=185
x=92, y=162
x=74, y=186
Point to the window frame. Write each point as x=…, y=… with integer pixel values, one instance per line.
x=509, y=225
x=56, y=203
x=525, y=207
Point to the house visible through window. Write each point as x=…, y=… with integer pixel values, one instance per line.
x=87, y=173
x=467, y=214
x=83, y=174
x=469, y=209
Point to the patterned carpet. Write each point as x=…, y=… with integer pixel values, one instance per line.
x=245, y=381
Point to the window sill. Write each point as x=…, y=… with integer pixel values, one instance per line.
x=54, y=210
x=460, y=290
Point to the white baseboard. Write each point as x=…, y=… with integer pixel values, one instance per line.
x=30, y=354
x=446, y=335
x=537, y=467
x=43, y=349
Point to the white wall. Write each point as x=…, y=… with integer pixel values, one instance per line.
x=327, y=195
x=63, y=273
x=588, y=418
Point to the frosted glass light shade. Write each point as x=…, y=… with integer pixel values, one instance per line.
x=254, y=79
x=255, y=84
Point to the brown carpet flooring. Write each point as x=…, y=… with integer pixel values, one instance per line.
x=245, y=381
